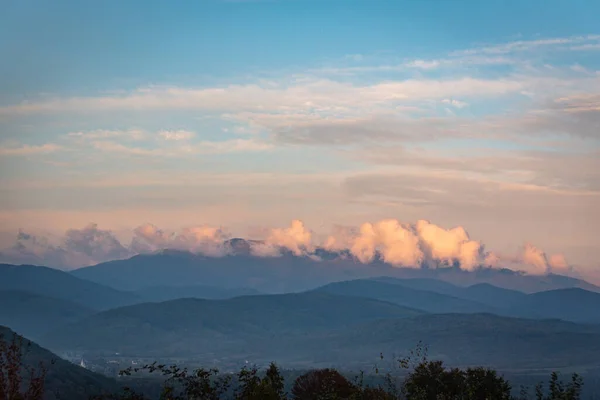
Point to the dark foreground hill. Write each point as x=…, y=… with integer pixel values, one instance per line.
x=290, y=273
x=32, y=315
x=62, y=285
x=64, y=380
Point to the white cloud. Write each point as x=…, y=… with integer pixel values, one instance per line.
x=423, y=64
x=398, y=244
x=25, y=149
x=309, y=95
x=455, y=103
x=178, y=135
x=530, y=45
x=99, y=134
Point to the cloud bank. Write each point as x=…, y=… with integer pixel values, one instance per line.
x=418, y=245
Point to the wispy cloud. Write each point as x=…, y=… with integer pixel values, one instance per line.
x=129, y=134
x=314, y=95
x=177, y=135
x=559, y=43
x=196, y=148
x=25, y=150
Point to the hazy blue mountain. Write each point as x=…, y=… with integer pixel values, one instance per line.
x=574, y=304
x=165, y=293
x=319, y=329
x=406, y=296
x=483, y=293
x=32, y=315
x=290, y=273
x=61, y=285
x=186, y=326
x=429, y=284
x=469, y=339
x=266, y=274
x=492, y=295
x=64, y=380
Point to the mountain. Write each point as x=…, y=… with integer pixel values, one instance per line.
x=283, y=274
x=64, y=380
x=574, y=304
x=492, y=295
x=318, y=329
x=190, y=326
x=473, y=339
x=32, y=315
x=290, y=273
x=165, y=293
x=61, y=285
x=483, y=293
x=406, y=296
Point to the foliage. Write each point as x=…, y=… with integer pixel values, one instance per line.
x=13, y=370
x=425, y=380
x=557, y=390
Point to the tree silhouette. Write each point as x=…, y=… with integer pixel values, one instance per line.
x=432, y=381
x=322, y=384
x=13, y=370
x=252, y=387
x=557, y=390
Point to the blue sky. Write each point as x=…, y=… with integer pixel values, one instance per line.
x=248, y=114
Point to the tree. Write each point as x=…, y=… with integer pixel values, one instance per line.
x=322, y=384
x=252, y=387
x=13, y=370
x=181, y=384
x=557, y=390
x=430, y=380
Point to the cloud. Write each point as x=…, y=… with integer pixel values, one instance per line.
x=188, y=149
x=423, y=64
x=541, y=264
x=97, y=244
x=450, y=245
x=26, y=150
x=79, y=247
x=176, y=135
x=396, y=243
x=412, y=246
x=455, y=103
x=560, y=43
x=402, y=245
x=202, y=239
x=296, y=239
x=148, y=238
x=99, y=134
x=316, y=95
x=535, y=258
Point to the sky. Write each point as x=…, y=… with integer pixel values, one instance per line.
x=245, y=115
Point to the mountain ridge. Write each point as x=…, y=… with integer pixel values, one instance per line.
x=290, y=273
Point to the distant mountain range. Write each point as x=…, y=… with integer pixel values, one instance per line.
x=302, y=312
x=573, y=304
x=289, y=273
x=33, y=315
x=61, y=285
x=316, y=328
